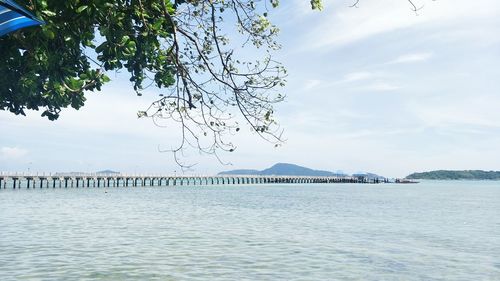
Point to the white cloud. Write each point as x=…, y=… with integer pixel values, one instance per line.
x=113, y=111
x=311, y=83
x=410, y=58
x=353, y=77
x=381, y=87
x=12, y=152
x=357, y=76
x=477, y=112
x=341, y=26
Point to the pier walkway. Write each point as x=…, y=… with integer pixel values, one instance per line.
x=21, y=180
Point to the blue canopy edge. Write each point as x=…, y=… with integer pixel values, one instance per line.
x=14, y=17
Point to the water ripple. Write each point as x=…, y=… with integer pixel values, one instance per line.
x=433, y=231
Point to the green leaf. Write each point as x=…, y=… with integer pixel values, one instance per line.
x=105, y=78
x=49, y=13
x=81, y=9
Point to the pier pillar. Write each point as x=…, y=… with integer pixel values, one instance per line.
x=14, y=182
x=27, y=183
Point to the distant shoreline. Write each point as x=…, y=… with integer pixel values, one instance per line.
x=428, y=179
x=457, y=175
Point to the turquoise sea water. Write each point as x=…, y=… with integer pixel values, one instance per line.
x=429, y=231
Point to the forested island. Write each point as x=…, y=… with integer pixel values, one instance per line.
x=456, y=175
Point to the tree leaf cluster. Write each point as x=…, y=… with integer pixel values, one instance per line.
x=179, y=46
x=52, y=66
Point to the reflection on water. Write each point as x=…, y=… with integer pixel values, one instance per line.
x=430, y=231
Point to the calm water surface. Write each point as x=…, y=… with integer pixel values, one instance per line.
x=429, y=231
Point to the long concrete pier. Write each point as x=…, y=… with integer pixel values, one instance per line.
x=18, y=181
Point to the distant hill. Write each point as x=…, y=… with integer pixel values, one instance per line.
x=107, y=172
x=70, y=174
x=368, y=176
x=282, y=169
x=241, y=172
x=456, y=175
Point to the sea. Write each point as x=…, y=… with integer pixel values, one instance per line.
x=434, y=230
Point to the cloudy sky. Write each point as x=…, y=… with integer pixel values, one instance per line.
x=376, y=88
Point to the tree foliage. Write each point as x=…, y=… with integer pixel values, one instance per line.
x=180, y=46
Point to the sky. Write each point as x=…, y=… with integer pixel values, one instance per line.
x=377, y=88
